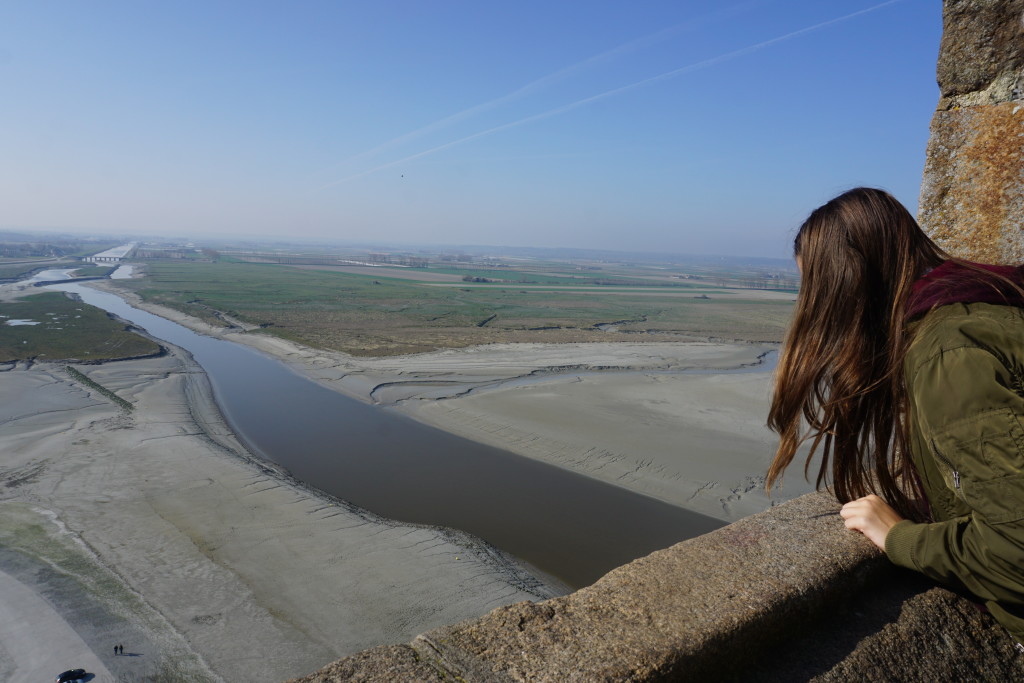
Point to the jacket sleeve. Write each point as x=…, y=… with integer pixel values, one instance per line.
x=969, y=404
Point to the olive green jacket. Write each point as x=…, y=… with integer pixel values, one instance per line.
x=965, y=385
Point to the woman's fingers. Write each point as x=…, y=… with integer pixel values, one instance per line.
x=871, y=516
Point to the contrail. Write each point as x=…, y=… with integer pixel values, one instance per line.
x=689, y=68
x=544, y=81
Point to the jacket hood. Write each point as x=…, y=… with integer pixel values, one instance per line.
x=958, y=281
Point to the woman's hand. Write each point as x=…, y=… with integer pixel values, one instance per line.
x=871, y=516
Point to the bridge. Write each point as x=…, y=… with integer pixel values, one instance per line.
x=113, y=255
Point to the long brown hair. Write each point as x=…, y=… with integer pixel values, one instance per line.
x=841, y=366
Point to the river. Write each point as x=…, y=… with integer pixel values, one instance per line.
x=563, y=524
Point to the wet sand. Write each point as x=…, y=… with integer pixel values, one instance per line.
x=201, y=561
x=696, y=441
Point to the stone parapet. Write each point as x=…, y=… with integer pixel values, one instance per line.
x=787, y=594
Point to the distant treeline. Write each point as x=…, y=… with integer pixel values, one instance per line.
x=38, y=249
x=762, y=282
x=407, y=261
x=177, y=254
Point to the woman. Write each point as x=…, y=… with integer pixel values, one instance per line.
x=905, y=369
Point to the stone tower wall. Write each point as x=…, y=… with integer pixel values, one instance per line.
x=972, y=194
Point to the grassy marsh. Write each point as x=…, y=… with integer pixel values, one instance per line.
x=372, y=315
x=93, y=270
x=16, y=270
x=65, y=329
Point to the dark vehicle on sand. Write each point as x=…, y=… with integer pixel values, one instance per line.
x=70, y=675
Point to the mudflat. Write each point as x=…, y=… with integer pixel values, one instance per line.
x=154, y=528
x=148, y=529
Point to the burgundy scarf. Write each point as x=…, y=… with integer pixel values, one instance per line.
x=952, y=283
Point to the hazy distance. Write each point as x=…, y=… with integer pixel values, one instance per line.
x=697, y=128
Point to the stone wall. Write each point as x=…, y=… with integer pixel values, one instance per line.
x=972, y=194
x=784, y=595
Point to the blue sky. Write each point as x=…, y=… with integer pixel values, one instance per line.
x=709, y=127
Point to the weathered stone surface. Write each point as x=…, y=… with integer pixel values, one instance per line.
x=391, y=663
x=900, y=628
x=972, y=194
x=689, y=610
x=981, y=57
x=913, y=633
x=785, y=595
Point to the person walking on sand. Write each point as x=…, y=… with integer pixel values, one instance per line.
x=904, y=367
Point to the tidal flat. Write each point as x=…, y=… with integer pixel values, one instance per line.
x=631, y=413
x=235, y=565
x=235, y=571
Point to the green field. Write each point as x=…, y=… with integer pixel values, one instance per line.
x=367, y=315
x=66, y=329
x=19, y=268
x=15, y=272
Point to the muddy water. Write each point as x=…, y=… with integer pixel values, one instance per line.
x=564, y=524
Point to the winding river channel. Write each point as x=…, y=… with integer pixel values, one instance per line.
x=565, y=525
